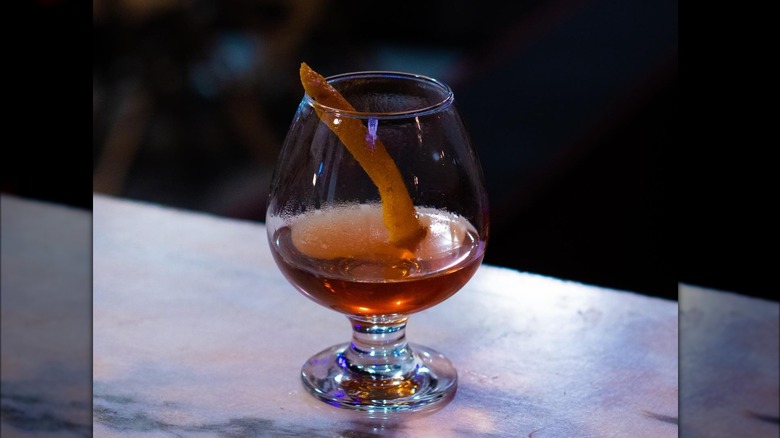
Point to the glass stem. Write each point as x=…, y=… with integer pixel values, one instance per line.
x=379, y=350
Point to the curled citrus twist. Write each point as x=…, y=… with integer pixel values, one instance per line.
x=398, y=212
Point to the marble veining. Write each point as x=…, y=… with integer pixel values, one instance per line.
x=28, y=411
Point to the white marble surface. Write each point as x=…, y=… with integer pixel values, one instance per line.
x=730, y=363
x=196, y=333
x=45, y=313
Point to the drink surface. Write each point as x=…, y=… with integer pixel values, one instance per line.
x=341, y=258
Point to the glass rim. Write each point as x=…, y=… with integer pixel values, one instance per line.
x=447, y=100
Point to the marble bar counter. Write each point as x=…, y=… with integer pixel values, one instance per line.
x=729, y=364
x=197, y=333
x=46, y=319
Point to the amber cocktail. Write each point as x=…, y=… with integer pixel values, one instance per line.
x=378, y=210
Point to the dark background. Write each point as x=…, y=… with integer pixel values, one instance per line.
x=598, y=169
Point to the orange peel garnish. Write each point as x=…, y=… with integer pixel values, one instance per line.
x=398, y=212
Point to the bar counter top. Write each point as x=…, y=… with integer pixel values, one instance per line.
x=197, y=333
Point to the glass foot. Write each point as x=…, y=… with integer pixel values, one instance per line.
x=425, y=382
